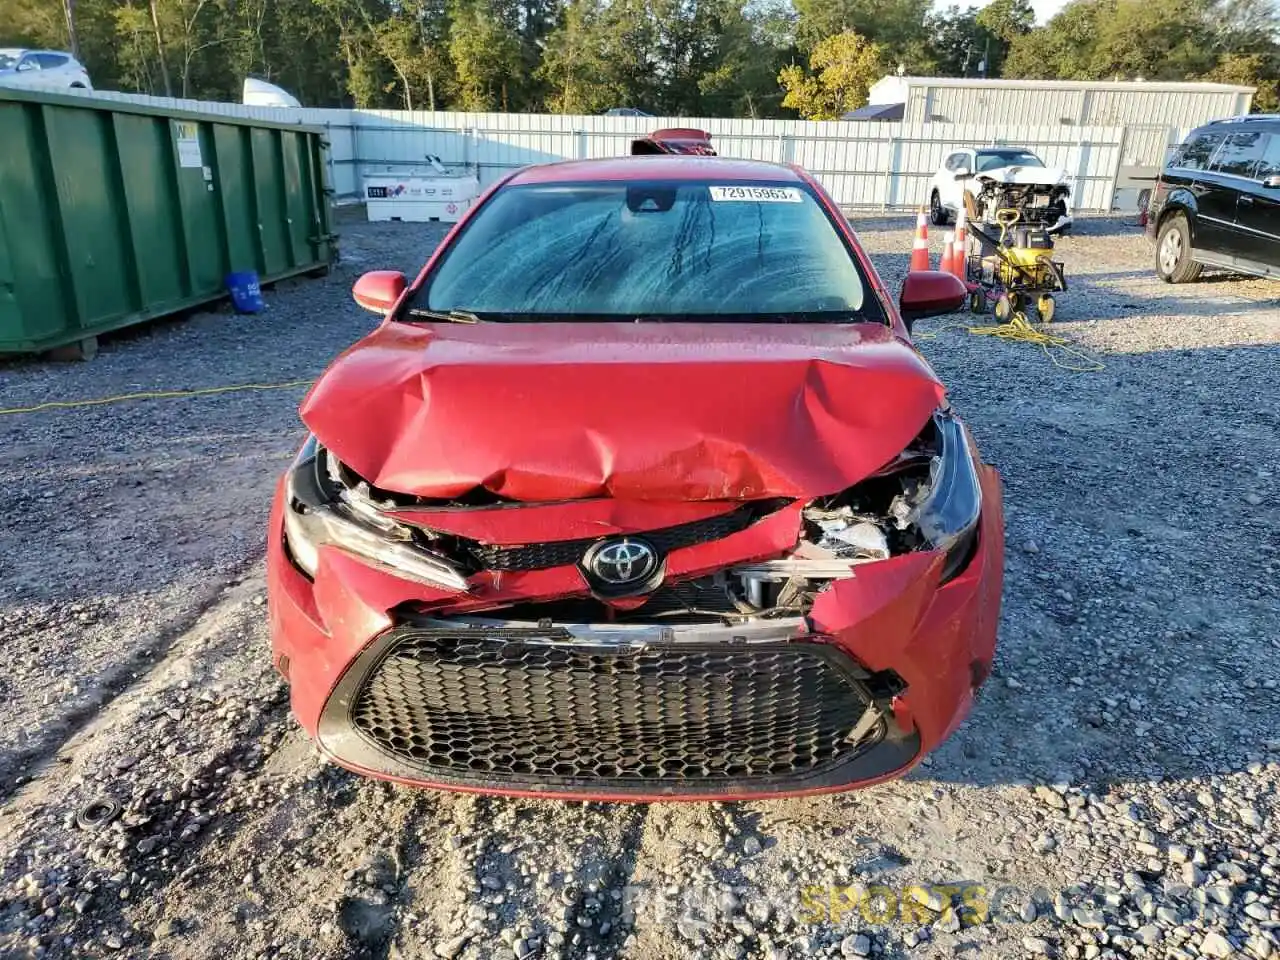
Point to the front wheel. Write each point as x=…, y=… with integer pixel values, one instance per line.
x=937, y=212
x=1004, y=308
x=1174, y=261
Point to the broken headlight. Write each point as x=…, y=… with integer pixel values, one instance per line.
x=321, y=508
x=928, y=498
x=947, y=513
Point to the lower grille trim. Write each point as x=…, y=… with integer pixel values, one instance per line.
x=673, y=711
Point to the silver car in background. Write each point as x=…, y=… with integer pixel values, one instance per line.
x=42, y=69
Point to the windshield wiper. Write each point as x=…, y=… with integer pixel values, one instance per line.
x=784, y=316
x=453, y=316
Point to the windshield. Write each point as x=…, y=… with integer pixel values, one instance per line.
x=9, y=59
x=660, y=250
x=995, y=159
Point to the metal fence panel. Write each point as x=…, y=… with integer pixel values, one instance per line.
x=876, y=166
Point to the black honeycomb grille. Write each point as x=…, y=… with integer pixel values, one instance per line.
x=563, y=553
x=483, y=707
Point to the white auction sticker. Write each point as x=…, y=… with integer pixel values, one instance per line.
x=758, y=194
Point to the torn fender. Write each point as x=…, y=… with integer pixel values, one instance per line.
x=644, y=411
x=940, y=639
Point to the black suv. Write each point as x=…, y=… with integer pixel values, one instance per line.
x=1217, y=203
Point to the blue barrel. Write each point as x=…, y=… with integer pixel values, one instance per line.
x=246, y=295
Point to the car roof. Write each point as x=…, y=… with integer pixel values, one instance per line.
x=661, y=167
x=1266, y=121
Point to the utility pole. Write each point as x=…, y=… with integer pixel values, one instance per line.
x=73, y=40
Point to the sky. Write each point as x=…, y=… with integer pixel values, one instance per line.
x=1044, y=8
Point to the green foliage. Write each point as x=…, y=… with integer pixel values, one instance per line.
x=575, y=67
x=742, y=80
x=1007, y=19
x=689, y=57
x=1258, y=69
x=419, y=58
x=843, y=69
x=897, y=27
x=959, y=42
x=486, y=54
x=1171, y=40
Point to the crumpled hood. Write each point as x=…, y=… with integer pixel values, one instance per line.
x=647, y=411
x=1040, y=176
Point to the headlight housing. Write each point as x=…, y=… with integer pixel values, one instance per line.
x=948, y=515
x=321, y=511
x=928, y=498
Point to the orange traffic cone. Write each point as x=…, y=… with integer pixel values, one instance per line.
x=920, y=246
x=947, y=265
x=960, y=255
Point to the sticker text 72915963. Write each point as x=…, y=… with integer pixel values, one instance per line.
x=757, y=194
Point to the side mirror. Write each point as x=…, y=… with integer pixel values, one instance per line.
x=1271, y=183
x=928, y=293
x=963, y=173
x=26, y=65
x=379, y=290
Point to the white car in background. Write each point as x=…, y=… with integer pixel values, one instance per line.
x=42, y=69
x=963, y=173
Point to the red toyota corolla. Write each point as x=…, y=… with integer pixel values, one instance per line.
x=639, y=492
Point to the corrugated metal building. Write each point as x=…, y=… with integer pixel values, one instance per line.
x=1069, y=102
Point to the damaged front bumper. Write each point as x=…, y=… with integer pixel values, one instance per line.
x=525, y=682
x=618, y=711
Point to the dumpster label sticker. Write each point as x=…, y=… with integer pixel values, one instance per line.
x=188, y=137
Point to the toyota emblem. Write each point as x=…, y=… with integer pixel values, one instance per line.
x=622, y=562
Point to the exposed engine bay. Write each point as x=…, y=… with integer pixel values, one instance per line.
x=926, y=498
x=1038, y=194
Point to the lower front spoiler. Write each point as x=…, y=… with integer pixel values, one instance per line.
x=610, y=692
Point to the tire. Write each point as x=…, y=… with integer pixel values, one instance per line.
x=937, y=212
x=1046, y=307
x=1174, y=262
x=1003, y=308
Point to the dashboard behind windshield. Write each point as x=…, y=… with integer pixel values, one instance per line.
x=652, y=250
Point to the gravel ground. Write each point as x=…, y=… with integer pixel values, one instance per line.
x=1113, y=795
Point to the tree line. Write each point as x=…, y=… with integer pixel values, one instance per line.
x=767, y=58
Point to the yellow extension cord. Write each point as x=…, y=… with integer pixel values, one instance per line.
x=1020, y=329
x=153, y=395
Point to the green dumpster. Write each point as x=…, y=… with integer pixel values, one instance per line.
x=112, y=213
